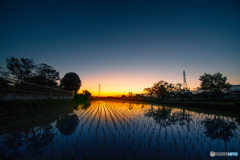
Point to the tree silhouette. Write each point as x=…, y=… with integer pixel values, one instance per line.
x=213, y=83
x=86, y=94
x=20, y=69
x=130, y=94
x=45, y=75
x=160, y=89
x=3, y=73
x=150, y=91
x=41, y=80
x=71, y=82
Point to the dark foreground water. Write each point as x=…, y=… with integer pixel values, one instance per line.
x=118, y=130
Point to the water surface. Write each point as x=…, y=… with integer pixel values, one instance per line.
x=124, y=130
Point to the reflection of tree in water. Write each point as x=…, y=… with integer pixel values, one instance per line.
x=238, y=119
x=164, y=118
x=183, y=118
x=160, y=115
x=86, y=105
x=68, y=124
x=130, y=106
x=10, y=146
x=31, y=141
x=217, y=128
x=39, y=139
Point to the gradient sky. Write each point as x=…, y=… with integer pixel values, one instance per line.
x=125, y=45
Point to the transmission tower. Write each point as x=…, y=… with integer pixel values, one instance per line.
x=99, y=91
x=184, y=80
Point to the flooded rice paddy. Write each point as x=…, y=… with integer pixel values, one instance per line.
x=123, y=130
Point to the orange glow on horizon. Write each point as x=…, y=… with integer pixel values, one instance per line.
x=120, y=82
x=108, y=93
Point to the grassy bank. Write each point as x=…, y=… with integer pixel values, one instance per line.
x=29, y=106
x=23, y=114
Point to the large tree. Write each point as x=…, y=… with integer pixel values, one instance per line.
x=41, y=80
x=163, y=88
x=160, y=88
x=47, y=71
x=214, y=83
x=3, y=73
x=178, y=88
x=150, y=91
x=71, y=82
x=45, y=75
x=20, y=69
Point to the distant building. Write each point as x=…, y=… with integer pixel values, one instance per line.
x=233, y=94
x=235, y=88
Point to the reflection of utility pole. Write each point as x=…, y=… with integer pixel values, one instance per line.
x=99, y=91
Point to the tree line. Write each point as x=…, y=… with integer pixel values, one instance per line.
x=25, y=70
x=163, y=89
x=215, y=84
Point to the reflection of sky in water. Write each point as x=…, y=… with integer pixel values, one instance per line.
x=107, y=129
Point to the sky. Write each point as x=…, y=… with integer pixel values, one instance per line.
x=125, y=46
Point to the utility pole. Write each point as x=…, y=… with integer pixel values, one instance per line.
x=99, y=91
x=184, y=80
x=184, y=85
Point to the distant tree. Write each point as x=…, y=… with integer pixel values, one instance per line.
x=71, y=82
x=178, y=87
x=20, y=69
x=138, y=95
x=160, y=89
x=163, y=88
x=123, y=96
x=150, y=91
x=169, y=88
x=130, y=94
x=86, y=94
x=214, y=83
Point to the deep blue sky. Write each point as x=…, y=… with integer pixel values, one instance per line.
x=125, y=45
